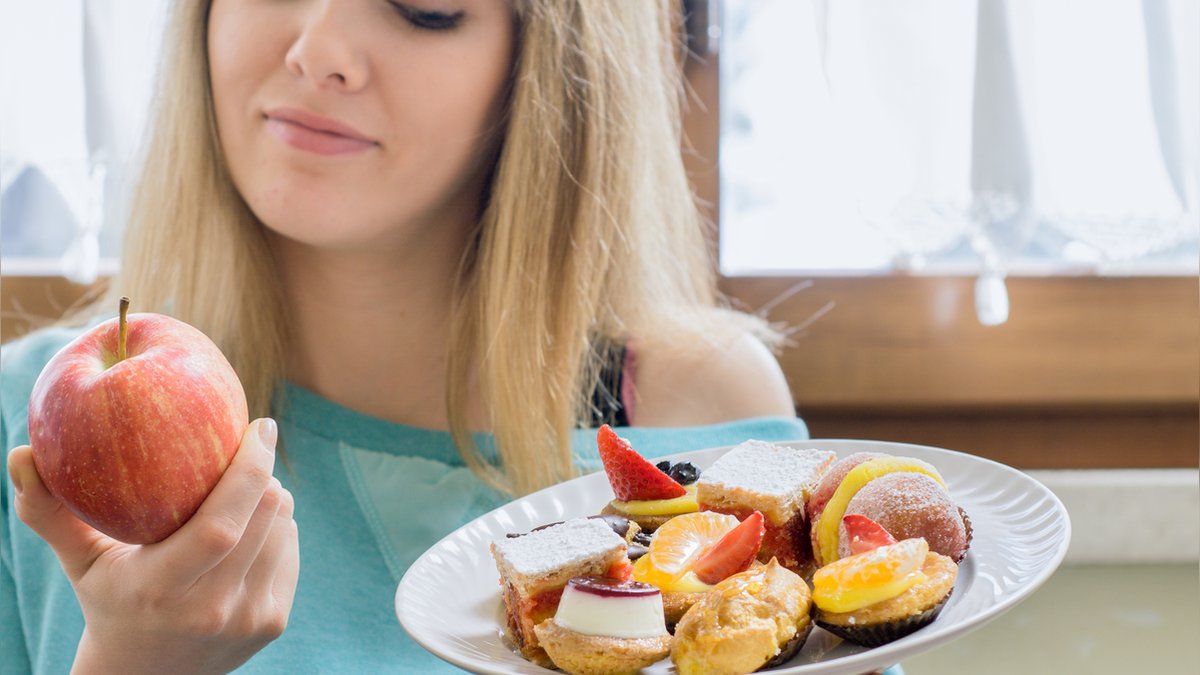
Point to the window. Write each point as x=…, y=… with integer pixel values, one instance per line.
x=865, y=227
x=77, y=79
x=948, y=135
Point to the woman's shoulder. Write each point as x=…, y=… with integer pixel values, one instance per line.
x=32, y=351
x=707, y=378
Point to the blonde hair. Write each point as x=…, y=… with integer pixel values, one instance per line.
x=192, y=248
x=589, y=232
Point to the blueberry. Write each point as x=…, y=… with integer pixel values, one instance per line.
x=664, y=466
x=684, y=473
x=641, y=538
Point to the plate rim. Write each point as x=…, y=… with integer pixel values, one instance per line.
x=850, y=663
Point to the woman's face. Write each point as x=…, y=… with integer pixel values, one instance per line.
x=354, y=124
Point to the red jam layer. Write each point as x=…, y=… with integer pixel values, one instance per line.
x=611, y=588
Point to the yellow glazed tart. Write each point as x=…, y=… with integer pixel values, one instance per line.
x=881, y=595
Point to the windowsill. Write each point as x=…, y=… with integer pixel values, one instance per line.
x=1085, y=371
x=49, y=267
x=1124, y=271
x=914, y=342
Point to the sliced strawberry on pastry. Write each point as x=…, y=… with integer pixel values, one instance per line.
x=865, y=534
x=633, y=477
x=734, y=552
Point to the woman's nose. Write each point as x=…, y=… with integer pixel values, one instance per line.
x=325, y=50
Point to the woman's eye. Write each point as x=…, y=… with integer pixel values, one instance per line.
x=428, y=20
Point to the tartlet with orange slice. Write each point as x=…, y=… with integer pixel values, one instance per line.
x=693, y=552
x=885, y=589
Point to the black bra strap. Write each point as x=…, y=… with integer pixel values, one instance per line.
x=607, y=407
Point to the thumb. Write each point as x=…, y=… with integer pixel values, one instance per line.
x=76, y=543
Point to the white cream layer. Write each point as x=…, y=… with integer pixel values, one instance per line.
x=622, y=616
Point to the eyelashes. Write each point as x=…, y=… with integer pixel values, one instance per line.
x=428, y=20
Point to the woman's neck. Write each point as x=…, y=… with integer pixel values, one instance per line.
x=370, y=329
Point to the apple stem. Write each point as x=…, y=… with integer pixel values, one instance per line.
x=122, y=329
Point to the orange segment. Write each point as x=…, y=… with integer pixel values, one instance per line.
x=644, y=572
x=867, y=578
x=684, y=538
x=877, y=566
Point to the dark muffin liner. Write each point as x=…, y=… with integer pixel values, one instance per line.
x=970, y=532
x=874, y=635
x=790, y=648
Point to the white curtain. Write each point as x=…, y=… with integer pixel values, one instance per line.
x=75, y=81
x=988, y=135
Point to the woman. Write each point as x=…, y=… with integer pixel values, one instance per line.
x=434, y=238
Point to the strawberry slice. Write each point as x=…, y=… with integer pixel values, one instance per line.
x=865, y=534
x=734, y=552
x=632, y=477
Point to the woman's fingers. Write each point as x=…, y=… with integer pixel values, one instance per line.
x=217, y=527
x=283, y=586
x=278, y=564
x=76, y=543
x=234, y=567
x=287, y=568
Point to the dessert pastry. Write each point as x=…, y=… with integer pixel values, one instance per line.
x=576, y=599
x=644, y=493
x=535, y=567
x=625, y=528
x=637, y=538
x=832, y=479
x=605, y=627
x=652, y=513
x=915, y=505
x=881, y=593
x=753, y=619
x=776, y=480
x=693, y=552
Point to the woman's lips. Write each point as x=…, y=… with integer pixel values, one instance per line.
x=316, y=134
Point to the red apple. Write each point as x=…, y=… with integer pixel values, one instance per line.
x=133, y=423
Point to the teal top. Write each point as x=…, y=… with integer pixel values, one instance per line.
x=370, y=496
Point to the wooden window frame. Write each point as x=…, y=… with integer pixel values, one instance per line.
x=1089, y=372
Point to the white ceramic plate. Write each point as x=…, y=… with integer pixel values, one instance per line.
x=449, y=601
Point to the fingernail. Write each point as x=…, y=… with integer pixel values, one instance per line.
x=268, y=432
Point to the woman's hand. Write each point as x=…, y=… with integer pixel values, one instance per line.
x=206, y=598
